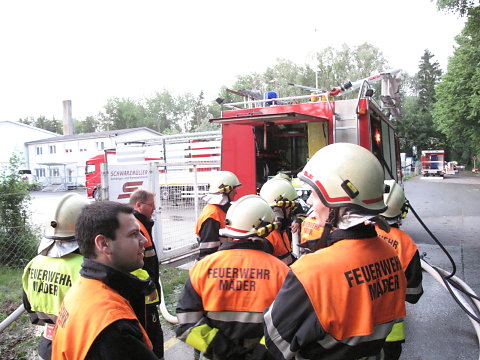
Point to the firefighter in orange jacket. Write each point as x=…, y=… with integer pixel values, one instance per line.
x=310, y=235
x=143, y=204
x=341, y=301
x=222, y=190
x=220, y=312
x=409, y=256
x=103, y=314
x=280, y=195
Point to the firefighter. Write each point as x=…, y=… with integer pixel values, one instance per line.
x=143, y=204
x=310, y=235
x=222, y=190
x=103, y=314
x=341, y=301
x=220, y=312
x=280, y=195
x=409, y=256
x=48, y=276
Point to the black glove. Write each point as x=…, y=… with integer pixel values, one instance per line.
x=258, y=352
x=224, y=348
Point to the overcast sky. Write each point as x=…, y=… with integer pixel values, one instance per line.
x=88, y=51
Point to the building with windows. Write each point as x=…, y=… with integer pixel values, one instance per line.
x=13, y=137
x=61, y=159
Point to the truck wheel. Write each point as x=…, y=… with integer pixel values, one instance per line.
x=96, y=195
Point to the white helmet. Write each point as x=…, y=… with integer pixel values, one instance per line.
x=394, y=198
x=223, y=182
x=247, y=217
x=282, y=175
x=60, y=229
x=346, y=175
x=278, y=192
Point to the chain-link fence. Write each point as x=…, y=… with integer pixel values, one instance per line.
x=19, y=238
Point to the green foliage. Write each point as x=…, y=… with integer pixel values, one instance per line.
x=173, y=280
x=19, y=340
x=89, y=125
x=416, y=127
x=332, y=67
x=18, y=238
x=460, y=6
x=457, y=111
x=42, y=122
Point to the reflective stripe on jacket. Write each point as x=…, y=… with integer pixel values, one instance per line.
x=211, y=219
x=281, y=246
x=46, y=280
x=96, y=307
x=348, y=296
x=226, y=294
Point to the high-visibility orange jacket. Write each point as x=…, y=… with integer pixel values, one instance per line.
x=311, y=230
x=221, y=308
x=408, y=254
x=151, y=266
x=151, y=260
x=348, y=297
x=89, y=308
x=210, y=221
x=310, y=235
x=281, y=246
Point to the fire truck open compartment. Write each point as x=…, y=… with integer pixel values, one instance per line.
x=273, y=143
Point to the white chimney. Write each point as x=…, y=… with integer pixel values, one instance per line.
x=67, y=117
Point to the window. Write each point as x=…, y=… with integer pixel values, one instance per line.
x=100, y=145
x=40, y=173
x=90, y=169
x=39, y=150
x=52, y=149
x=54, y=172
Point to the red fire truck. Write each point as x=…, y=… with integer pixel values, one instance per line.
x=268, y=135
x=174, y=150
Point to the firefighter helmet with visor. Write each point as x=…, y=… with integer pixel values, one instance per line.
x=278, y=192
x=61, y=224
x=346, y=175
x=249, y=216
x=394, y=198
x=223, y=182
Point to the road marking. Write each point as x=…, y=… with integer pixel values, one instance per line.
x=169, y=343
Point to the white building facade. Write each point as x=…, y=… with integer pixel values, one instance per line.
x=61, y=159
x=13, y=136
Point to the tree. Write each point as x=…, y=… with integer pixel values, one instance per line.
x=42, y=122
x=333, y=67
x=122, y=114
x=18, y=238
x=416, y=127
x=457, y=111
x=161, y=112
x=460, y=6
x=89, y=125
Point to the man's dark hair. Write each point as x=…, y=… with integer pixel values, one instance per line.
x=98, y=218
x=140, y=195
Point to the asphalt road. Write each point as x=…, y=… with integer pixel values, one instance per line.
x=436, y=326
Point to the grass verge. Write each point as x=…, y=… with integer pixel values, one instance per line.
x=19, y=340
x=173, y=280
